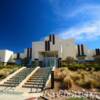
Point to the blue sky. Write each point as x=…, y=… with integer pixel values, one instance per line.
x=24, y=21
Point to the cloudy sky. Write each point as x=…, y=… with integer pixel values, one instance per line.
x=24, y=21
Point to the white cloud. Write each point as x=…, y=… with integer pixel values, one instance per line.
x=64, y=9
x=90, y=32
x=87, y=10
x=84, y=30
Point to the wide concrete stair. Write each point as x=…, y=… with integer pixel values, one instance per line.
x=15, y=80
x=38, y=80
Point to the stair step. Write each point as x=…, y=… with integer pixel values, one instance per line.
x=7, y=85
x=34, y=83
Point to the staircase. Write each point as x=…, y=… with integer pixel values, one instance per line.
x=38, y=80
x=17, y=78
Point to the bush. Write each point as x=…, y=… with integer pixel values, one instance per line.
x=84, y=79
x=97, y=68
x=2, y=76
x=77, y=66
x=84, y=84
x=75, y=77
x=70, y=60
x=6, y=70
x=64, y=64
x=58, y=75
x=94, y=66
x=95, y=84
x=67, y=82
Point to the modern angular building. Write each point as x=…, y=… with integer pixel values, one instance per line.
x=6, y=56
x=53, y=49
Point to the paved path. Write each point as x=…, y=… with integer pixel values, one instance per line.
x=19, y=96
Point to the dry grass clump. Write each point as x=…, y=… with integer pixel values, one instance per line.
x=75, y=76
x=83, y=83
x=89, y=84
x=2, y=75
x=58, y=75
x=68, y=82
x=95, y=83
x=6, y=70
x=86, y=80
x=82, y=78
x=96, y=75
x=66, y=72
x=61, y=73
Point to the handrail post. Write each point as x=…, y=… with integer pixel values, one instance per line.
x=52, y=79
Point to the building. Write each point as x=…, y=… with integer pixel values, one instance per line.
x=54, y=49
x=6, y=56
x=51, y=51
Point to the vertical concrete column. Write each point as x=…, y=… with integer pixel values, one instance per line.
x=78, y=47
x=82, y=49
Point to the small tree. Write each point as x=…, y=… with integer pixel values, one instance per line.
x=97, y=60
x=69, y=60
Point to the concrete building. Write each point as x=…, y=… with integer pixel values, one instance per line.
x=51, y=51
x=26, y=55
x=54, y=49
x=6, y=56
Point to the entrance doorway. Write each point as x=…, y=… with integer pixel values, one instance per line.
x=49, y=61
x=49, y=58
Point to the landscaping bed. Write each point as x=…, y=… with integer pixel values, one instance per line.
x=6, y=70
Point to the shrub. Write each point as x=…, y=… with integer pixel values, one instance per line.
x=2, y=76
x=87, y=84
x=58, y=75
x=70, y=60
x=94, y=66
x=6, y=70
x=95, y=83
x=82, y=78
x=83, y=83
x=77, y=66
x=67, y=82
x=63, y=64
x=75, y=76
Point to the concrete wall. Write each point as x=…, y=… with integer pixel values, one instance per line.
x=69, y=49
x=6, y=55
x=36, y=48
x=65, y=48
x=2, y=55
x=89, y=53
x=57, y=46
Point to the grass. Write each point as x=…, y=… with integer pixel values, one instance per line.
x=6, y=70
x=81, y=78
